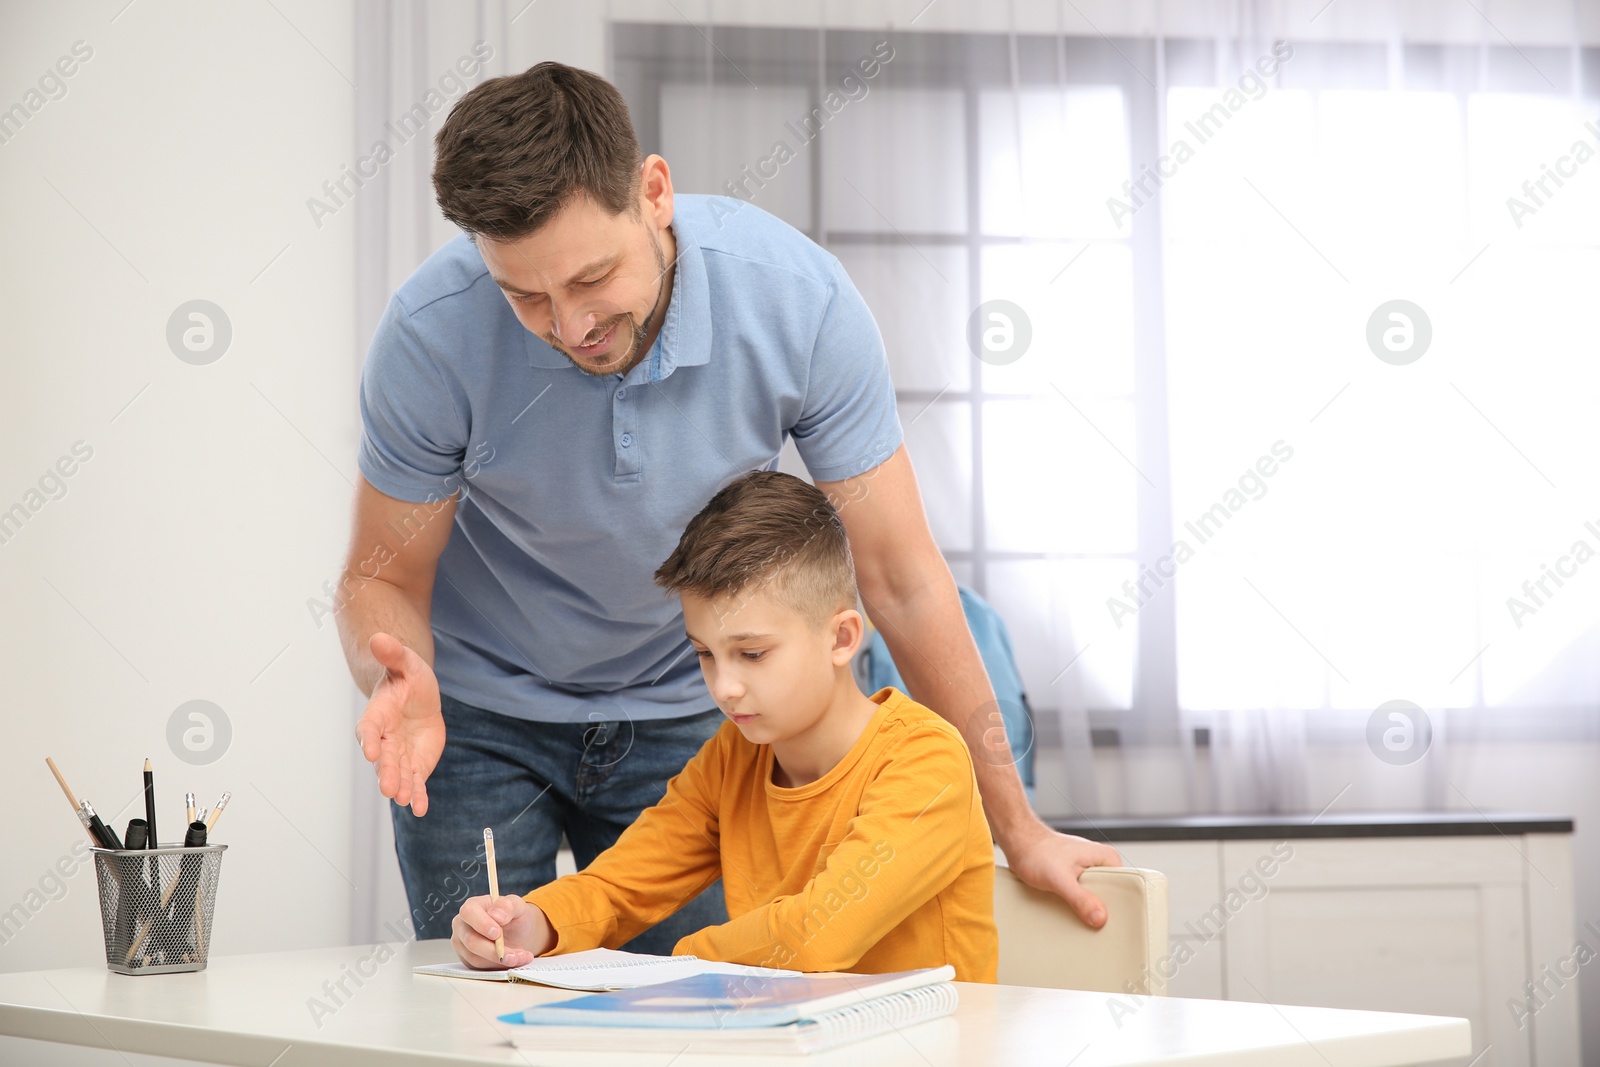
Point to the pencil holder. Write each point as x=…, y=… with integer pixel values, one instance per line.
x=156, y=905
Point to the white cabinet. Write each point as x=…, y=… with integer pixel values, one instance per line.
x=1437, y=925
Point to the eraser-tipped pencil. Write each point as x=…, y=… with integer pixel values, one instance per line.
x=76, y=810
x=494, y=888
x=216, y=812
x=138, y=940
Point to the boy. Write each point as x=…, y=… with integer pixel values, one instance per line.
x=848, y=830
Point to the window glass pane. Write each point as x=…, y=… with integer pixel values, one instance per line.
x=919, y=297
x=1234, y=651
x=896, y=161
x=939, y=441
x=711, y=136
x=1068, y=654
x=1263, y=629
x=1052, y=178
x=1514, y=139
x=1052, y=483
x=1206, y=197
x=1541, y=608
x=1404, y=517
x=1078, y=300
x=1392, y=166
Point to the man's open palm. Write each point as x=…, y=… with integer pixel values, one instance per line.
x=402, y=730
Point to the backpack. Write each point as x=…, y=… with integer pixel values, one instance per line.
x=875, y=669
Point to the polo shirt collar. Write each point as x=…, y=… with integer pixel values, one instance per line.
x=685, y=337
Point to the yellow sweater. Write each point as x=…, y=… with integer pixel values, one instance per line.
x=883, y=864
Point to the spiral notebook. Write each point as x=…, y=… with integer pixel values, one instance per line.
x=730, y=1013
x=601, y=969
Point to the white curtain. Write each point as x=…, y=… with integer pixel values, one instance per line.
x=1370, y=590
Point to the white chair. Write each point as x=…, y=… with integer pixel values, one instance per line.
x=1044, y=943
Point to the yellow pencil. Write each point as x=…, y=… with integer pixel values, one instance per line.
x=216, y=812
x=494, y=888
x=138, y=940
x=71, y=799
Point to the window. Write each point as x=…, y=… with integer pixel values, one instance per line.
x=1198, y=372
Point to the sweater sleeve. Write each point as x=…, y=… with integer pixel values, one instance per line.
x=656, y=866
x=906, y=843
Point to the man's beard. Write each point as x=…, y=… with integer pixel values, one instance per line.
x=638, y=329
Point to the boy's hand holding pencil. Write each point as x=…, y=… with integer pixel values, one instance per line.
x=526, y=931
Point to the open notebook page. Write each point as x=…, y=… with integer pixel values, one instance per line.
x=601, y=968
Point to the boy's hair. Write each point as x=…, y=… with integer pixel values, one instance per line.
x=517, y=148
x=770, y=529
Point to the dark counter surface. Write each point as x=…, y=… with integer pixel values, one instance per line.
x=1330, y=824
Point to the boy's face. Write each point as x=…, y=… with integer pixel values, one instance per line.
x=768, y=668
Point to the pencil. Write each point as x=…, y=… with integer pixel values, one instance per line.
x=166, y=897
x=216, y=812
x=72, y=800
x=138, y=940
x=494, y=888
x=188, y=803
x=199, y=932
x=150, y=804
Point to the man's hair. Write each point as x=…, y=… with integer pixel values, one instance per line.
x=772, y=531
x=515, y=149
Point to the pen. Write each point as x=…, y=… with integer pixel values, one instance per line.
x=72, y=800
x=133, y=890
x=188, y=869
x=494, y=888
x=151, y=840
x=187, y=911
x=150, y=805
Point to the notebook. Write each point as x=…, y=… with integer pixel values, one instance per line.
x=733, y=1013
x=601, y=969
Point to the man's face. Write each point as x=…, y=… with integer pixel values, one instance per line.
x=591, y=284
x=767, y=667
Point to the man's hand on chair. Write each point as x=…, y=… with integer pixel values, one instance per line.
x=1052, y=861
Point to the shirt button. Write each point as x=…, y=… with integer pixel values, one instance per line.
x=627, y=439
x=621, y=394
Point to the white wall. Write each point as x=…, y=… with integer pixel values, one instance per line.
x=177, y=562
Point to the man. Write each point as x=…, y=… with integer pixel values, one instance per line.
x=546, y=403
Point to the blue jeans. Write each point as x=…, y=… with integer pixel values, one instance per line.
x=532, y=782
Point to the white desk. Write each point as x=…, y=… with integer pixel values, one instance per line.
x=259, y=1010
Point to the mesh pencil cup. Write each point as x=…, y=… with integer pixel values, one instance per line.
x=156, y=906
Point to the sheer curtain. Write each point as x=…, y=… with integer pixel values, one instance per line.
x=1226, y=497
x=1356, y=271
x=932, y=166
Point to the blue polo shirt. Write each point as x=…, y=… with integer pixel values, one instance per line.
x=576, y=488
